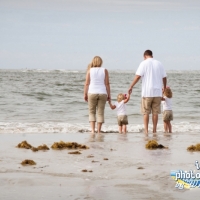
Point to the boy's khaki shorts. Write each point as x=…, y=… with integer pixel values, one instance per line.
x=151, y=104
x=122, y=120
x=167, y=115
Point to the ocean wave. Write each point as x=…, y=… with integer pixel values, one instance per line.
x=128, y=71
x=50, y=71
x=53, y=127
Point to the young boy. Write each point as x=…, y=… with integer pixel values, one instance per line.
x=120, y=105
x=167, y=109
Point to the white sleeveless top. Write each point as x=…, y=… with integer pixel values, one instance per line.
x=97, y=81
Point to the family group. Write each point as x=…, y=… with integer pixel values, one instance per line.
x=154, y=93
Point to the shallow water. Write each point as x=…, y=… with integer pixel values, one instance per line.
x=47, y=101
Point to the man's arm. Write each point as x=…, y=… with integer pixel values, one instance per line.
x=136, y=79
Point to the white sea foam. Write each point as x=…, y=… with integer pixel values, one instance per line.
x=53, y=127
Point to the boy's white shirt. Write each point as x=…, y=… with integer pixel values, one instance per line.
x=167, y=104
x=120, y=107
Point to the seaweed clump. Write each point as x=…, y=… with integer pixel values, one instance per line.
x=85, y=170
x=41, y=147
x=28, y=162
x=152, y=144
x=74, y=152
x=68, y=145
x=194, y=147
x=24, y=144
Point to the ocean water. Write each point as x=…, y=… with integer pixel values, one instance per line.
x=51, y=101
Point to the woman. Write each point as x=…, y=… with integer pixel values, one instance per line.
x=96, y=92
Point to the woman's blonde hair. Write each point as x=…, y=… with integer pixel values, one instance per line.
x=96, y=62
x=168, y=92
x=120, y=97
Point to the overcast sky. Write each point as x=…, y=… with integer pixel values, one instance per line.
x=67, y=34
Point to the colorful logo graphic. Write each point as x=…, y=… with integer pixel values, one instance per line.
x=186, y=179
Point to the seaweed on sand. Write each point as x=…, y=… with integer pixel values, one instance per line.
x=74, y=152
x=24, y=144
x=41, y=147
x=85, y=170
x=28, y=162
x=198, y=147
x=152, y=144
x=90, y=156
x=34, y=149
x=68, y=145
x=194, y=147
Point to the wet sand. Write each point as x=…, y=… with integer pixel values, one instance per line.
x=58, y=175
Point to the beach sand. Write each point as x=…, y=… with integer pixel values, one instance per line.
x=58, y=175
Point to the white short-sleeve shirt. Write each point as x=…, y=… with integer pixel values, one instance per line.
x=167, y=104
x=121, y=108
x=152, y=73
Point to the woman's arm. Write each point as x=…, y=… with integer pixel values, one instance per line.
x=86, y=86
x=107, y=84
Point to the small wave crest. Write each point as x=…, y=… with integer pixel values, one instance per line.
x=53, y=127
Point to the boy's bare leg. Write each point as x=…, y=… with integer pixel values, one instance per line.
x=124, y=129
x=120, y=129
x=146, y=122
x=155, y=122
x=165, y=126
x=99, y=127
x=169, y=127
x=92, y=124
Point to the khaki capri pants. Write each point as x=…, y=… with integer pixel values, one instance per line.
x=96, y=102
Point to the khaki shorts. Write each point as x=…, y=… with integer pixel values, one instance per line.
x=122, y=120
x=167, y=115
x=151, y=104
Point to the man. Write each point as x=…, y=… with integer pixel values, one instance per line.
x=153, y=79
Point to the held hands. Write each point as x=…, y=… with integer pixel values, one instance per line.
x=130, y=91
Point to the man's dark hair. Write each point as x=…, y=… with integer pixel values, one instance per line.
x=148, y=53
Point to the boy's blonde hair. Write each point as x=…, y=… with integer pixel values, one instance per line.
x=168, y=92
x=120, y=97
x=96, y=62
